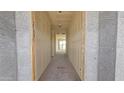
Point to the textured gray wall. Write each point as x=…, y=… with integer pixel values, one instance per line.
x=24, y=30
x=119, y=74
x=91, y=45
x=107, y=45
x=8, y=62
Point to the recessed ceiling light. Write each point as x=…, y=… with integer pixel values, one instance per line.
x=59, y=11
x=60, y=25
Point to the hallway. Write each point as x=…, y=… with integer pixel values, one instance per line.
x=60, y=69
x=55, y=32
x=93, y=43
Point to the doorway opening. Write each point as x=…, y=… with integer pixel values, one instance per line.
x=58, y=46
x=60, y=43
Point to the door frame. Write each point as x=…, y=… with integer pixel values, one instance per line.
x=33, y=46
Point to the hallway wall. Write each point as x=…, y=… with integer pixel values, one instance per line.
x=102, y=63
x=76, y=43
x=53, y=43
x=107, y=45
x=119, y=72
x=42, y=29
x=8, y=58
x=91, y=45
x=24, y=44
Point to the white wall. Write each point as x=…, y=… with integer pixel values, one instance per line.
x=8, y=57
x=119, y=72
x=91, y=45
x=107, y=45
x=53, y=43
x=24, y=45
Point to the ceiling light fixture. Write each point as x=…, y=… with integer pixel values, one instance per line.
x=60, y=25
x=59, y=12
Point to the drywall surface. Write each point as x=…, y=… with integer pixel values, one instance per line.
x=76, y=43
x=119, y=74
x=8, y=61
x=23, y=39
x=42, y=28
x=53, y=43
x=107, y=45
x=91, y=45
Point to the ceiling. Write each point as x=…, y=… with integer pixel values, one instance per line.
x=61, y=19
